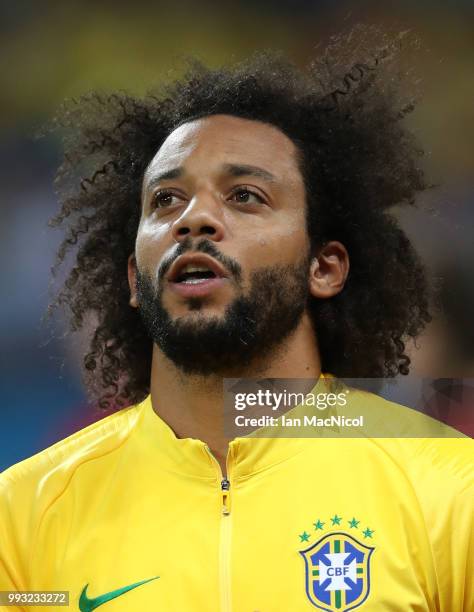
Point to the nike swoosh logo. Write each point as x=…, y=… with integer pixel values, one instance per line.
x=87, y=604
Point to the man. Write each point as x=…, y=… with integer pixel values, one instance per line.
x=249, y=206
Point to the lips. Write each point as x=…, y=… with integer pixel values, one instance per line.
x=193, y=269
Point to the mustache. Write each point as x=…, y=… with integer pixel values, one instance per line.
x=204, y=246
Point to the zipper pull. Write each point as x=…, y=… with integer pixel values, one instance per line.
x=225, y=487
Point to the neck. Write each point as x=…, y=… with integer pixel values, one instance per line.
x=192, y=405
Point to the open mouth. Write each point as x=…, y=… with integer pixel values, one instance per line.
x=195, y=269
x=193, y=275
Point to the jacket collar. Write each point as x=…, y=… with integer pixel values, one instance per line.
x=247, y=455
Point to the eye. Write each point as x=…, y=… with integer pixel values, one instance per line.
x=164, y=198
x=244, y=195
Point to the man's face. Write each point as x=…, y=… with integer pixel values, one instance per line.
x=222, y=248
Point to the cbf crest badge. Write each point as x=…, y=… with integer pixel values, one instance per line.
x=337, y=572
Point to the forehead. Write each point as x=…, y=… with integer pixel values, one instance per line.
x=214, y=141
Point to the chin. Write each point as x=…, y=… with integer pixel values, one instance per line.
x=197, y=308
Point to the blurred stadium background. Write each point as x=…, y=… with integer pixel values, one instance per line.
x=56, y=50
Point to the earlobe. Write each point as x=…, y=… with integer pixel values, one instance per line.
x=132, y=280
x=329, y=270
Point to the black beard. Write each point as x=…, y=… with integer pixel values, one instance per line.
x=251, y=327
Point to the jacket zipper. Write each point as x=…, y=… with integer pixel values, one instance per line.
x=225, y=536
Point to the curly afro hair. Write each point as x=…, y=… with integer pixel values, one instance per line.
x=345, y=114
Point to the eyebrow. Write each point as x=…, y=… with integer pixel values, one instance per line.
x=174, y=173
x=235, y=170
x=246, y=170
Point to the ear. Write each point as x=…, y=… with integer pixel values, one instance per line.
x=132, y=280
x=329, y=270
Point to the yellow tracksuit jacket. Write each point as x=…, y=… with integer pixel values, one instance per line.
x=127, y=517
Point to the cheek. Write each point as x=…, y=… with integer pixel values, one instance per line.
x=286, y=243
x=286, y=246
x=150, y=247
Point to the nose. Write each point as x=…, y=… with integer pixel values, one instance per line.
x=202, y=217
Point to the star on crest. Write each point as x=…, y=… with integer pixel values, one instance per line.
x=304, y=537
